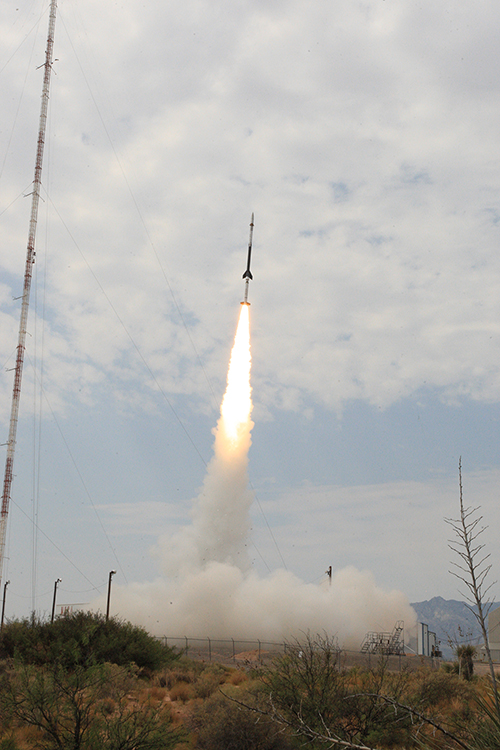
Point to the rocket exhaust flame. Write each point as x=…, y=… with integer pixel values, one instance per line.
x=237, y=403
x=220, y=517
x=211, y=590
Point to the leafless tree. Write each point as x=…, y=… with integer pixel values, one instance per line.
x=473, y=569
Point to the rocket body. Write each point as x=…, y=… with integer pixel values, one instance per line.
x=247, y=276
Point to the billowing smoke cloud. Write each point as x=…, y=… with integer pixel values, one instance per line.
x=209, y=589
x=221, y=601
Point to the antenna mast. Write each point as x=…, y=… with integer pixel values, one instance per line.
x=30, y=259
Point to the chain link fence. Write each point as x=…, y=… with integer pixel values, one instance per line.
x=247, y=653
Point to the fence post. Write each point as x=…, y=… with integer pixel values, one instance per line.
x=187, y=643
x=209, y=650
x=234, y=652
x=259, y=649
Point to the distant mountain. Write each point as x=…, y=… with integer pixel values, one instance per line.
x=451, y=620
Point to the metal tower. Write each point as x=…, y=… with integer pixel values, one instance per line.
x=30, y=259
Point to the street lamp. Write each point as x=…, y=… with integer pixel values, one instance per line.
x=59, y=580
x=3, y=602
x=111, y=574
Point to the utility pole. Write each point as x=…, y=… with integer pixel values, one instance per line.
x=59, y=580
x=30, y=259
x=111, y=574
x=3, y=602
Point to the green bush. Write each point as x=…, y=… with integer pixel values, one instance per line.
x=83, y=639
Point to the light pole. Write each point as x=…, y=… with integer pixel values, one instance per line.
x=59, y=580
x=111, y=574
x=3, y=602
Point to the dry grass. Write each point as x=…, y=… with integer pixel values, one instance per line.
x=180, y=674
x=182, y=692
x=26, y=737
x=238, y=677
x=157, y=693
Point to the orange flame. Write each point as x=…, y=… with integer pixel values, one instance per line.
x=237, y=402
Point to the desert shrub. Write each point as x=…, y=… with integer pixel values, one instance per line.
x=83, y=639
x=157, y=693
x=71, y=709
x=221, y=723
x=173, y=676
x=218, y=670
x=316, y=696
x=21, y=638
x=238, y=677
x=206, y=684
x=438, y=687
x=306, y=681
x=181, y=691
x=465, y=656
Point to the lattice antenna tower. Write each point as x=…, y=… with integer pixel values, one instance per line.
x=30, y=259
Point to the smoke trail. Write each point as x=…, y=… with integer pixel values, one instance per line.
x=210, y=590
x=220, y=520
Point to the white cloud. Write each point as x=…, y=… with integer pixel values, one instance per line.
x=364, y=137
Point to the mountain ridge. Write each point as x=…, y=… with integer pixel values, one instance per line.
x=453, y=621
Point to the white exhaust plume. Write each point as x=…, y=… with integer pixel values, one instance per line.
x=210, y=590
x=220, y=526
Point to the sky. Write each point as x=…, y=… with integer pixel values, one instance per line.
x=364, y=136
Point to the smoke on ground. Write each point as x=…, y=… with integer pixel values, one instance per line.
x=222, y=601
x=209, y=589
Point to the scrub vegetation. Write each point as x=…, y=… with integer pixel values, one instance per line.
x=82, y=639
x=90, y=698
x=78, y=684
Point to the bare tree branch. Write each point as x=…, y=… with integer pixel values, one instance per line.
x=423, y=718
x=303, y=728
x=474, y=572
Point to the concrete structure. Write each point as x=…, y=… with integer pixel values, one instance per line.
x=427, y=644
x=494, y=634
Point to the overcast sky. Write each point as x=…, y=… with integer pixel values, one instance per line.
x=364, y=136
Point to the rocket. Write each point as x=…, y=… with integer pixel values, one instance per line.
x=248, y=274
